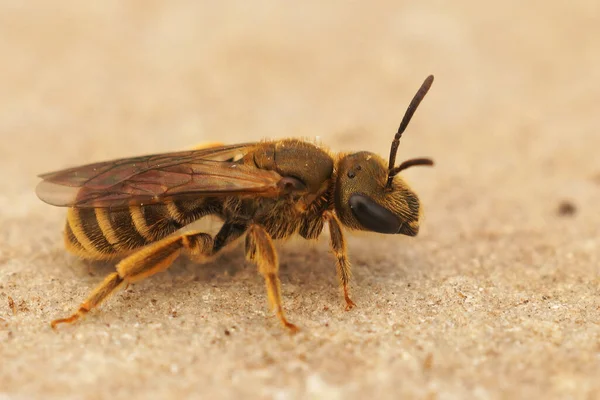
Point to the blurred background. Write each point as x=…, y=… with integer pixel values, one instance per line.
x=511, y=120
x=515, y=98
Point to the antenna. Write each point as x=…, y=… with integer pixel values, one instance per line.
x=412, y=107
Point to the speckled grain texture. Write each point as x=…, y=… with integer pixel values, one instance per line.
x=498, y=297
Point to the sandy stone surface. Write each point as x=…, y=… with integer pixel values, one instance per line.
x=499, y=295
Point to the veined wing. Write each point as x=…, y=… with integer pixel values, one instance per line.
x=156, y=178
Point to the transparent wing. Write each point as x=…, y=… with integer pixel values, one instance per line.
x=156, y=178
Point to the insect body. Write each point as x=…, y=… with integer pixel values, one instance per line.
x=135, y=208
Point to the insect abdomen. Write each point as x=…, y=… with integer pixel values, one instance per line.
x=104, y=233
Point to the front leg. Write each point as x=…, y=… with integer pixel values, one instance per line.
x=260, y=250
x=338, y=247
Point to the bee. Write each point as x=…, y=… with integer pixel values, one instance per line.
x=136, y=209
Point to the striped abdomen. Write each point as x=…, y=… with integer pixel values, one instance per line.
x=104, y=233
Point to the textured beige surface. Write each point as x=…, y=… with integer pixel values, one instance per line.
x=499, y=296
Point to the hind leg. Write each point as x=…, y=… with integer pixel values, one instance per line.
x=148, y=261
x=207, y=145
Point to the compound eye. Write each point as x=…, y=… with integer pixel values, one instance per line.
x=373, y=216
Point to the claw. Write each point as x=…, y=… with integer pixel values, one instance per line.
x=292, y=328
x=349, y=303
x=69, y=320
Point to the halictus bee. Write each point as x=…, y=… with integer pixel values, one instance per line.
x=136, y=208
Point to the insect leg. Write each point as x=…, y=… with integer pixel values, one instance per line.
x=207, y=145
x=229, y=232
x=338, y=247
x=260, y=250
x=149, y=260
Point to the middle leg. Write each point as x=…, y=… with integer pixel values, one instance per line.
x=260, y=250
